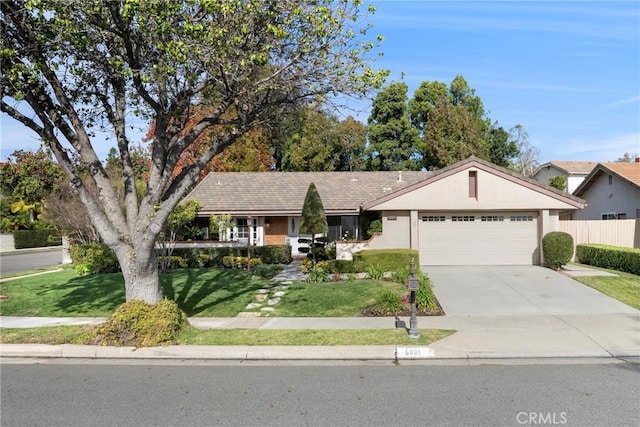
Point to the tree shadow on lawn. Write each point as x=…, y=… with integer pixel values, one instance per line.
x=90, y=295
x=196, y=291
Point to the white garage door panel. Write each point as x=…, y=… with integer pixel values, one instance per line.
x=478, y=242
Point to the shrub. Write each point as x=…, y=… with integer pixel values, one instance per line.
x=612, y=257
x=375, y=272
x=557, y=247
x=36, y=238
x=241, y=262
x=139, y=324
x=214, y=257
x=98, y=255
x=374, y=227
x=175, y=261
x=401, y=276
x=341, y=266
x=318, y=274
x=387, y=259
x=306, y=265
x=425, y=299
x=86, y=269
x=387, y=303
x=273, y=254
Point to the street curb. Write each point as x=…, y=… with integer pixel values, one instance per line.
x=201, y=352
x=289, y=353
x=30, y=250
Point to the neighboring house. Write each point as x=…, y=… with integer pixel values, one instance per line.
x=612, y=191
x=574, y=172
x=470, y=213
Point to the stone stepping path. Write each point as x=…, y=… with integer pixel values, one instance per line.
x=264, y=300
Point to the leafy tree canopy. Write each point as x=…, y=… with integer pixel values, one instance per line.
x=29, y=176
x=453, y=125
x=323, y=143
x=98, y=64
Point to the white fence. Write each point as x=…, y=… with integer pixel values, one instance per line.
x=618, y=232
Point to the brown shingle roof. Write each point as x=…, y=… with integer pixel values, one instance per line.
x=573, y=167
x=284, y=192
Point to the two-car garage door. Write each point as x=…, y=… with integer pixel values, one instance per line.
x=474, y=238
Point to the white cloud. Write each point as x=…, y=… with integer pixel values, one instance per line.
x=632, y=100
x=590, y=149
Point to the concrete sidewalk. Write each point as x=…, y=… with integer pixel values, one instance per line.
x=486, y=337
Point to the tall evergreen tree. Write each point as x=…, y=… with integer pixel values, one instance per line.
x=314, y=219
x=392, y=139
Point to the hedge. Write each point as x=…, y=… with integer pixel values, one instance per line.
x=36, y=238
x=612, y=257
x=214, y=257
x=386, y=259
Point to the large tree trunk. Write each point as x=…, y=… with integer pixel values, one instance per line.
x=140, y=271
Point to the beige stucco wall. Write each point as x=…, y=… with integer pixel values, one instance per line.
x=543, y=175
x=395, y=232
x=602, y=197
x=546, y=173
x=494, y=193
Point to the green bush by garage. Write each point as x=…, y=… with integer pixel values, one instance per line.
x=557, y=247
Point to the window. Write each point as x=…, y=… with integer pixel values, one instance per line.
x=610, y=179
x=622, y=216
x=609, y=215
x=433, y=218
x=473, y=184
x=521, y=218
x=492, y=218
x=463, y=218
x=243, y=228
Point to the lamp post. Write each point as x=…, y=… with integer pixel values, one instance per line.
x=413, y=284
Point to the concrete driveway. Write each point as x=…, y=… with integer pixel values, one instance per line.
x=516, y=291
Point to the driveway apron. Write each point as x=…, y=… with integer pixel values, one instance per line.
x=515, y=291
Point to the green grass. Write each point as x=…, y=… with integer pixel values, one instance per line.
x=227, y=337
x=198, y=292
x=624, y=287
x=28, y=272
x=334, y=299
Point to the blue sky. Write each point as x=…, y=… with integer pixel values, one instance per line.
x=569, y=72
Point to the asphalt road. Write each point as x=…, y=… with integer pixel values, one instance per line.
x=94, y=394
x=24, y=261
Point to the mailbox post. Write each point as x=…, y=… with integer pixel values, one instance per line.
x=413, y=284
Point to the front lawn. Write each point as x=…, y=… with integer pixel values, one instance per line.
x=198, y=292
x=191, y=336
x=332, y=299
x=624, y=287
